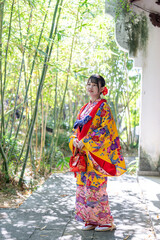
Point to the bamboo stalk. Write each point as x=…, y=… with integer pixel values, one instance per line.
x=19, y=80
x=70, y=109
x=5, y=163
x=55, y=98
x=30, y=77
x=36, y=131
x=24, y=142
x=128, y=106
x=44, y=71
x=55, y=107
x=32, y=162
x=8, y=41
x=44, y=140
x=1, y=78
x=53, y=150
x=42, y=130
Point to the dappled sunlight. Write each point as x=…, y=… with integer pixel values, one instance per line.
x=49, y=213
x=69, y=237
x=49, y=207
x=5, y=216
x=6, y=234
x=48, y=50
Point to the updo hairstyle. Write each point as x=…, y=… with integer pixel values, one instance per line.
x=95, y=78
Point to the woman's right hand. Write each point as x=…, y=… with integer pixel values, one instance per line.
x=75, y=142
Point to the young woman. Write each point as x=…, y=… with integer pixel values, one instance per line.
x=95, y=134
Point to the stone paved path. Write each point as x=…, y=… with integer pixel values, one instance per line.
x=48, y=214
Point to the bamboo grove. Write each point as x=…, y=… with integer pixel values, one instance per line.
x=48, y=49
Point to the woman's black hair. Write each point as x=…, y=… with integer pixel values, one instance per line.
x=95, y=78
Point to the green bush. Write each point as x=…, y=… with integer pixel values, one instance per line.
x=63, y=142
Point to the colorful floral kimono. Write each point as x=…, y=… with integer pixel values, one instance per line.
x=96, y=127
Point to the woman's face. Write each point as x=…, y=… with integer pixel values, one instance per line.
x=92, y=89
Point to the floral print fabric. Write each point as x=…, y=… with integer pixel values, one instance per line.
x=92, y=205
x=102, y=141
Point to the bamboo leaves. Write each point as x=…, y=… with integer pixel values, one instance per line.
x=22, y=63
x=2, y=100
x=53, y=148
x=30, y=76
x=55, y=47
x=44, y=71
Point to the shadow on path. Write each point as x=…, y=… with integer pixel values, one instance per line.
x=48, y=213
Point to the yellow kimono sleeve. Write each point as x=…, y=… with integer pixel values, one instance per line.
x=72, y=137
x=103, y=141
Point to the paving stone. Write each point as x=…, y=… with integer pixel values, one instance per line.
x=46, y=234
x=49, y=212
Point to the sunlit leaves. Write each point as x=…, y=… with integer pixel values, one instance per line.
x=94, y=51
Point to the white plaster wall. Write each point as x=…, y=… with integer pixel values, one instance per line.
x=150, y=97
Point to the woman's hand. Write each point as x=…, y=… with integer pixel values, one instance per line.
x=75, y=142
x=80, y=145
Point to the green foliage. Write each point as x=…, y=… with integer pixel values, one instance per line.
x=135, y=25
x=65, y=125
x=63, y=142
x=48, y=138
x=133, y=167
x=94, y=51
x=122, y=7
x=62, y=161
x=137, y=30
x=143, y=32
x=9, y=143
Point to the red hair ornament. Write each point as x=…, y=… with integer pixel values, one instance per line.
x=105, y=91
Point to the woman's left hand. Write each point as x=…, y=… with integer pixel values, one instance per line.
x=80, y=144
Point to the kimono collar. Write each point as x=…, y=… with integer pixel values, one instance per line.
x=84, y=131
x=97, y=100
